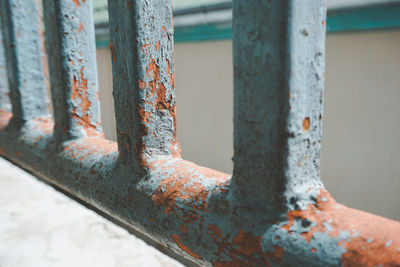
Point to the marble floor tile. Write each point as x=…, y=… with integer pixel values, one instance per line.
x=41, y=227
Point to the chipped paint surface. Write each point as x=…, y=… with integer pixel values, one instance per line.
x=5, y=104
x=273, y=211
x=279, y=82
x=73, y=73
x=144, y=94
x=23, y=49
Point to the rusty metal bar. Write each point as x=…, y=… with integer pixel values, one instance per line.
x=143, y=78
x=5, y=104
x=23, y=50
x=279, y=51
x=71, y=49
x=274, y=211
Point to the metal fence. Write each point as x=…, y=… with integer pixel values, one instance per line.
x=272, y=211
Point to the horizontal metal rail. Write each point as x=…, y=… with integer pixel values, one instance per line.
x=273, y=211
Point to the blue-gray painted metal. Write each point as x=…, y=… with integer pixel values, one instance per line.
x=70, y=44
x=5, y=104
x=279, y=49
x=143, y=77
x=273, y=211
x=23, y=49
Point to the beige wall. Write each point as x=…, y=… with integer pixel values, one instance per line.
x=360, y=161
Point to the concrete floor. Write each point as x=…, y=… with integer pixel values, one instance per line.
x=40, y=226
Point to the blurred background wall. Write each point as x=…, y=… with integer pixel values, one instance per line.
x=360, y=155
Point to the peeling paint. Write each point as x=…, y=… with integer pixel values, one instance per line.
x=186, y=249
x=73, y=72
x=150, y=81
x=273, y=211
x=20, y=26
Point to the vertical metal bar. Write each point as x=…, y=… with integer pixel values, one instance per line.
x=70, y=43
x=5, y=104
x=143, y=76
x=279, y=49
x=22, y=43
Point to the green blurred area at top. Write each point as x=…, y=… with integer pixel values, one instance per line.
x=101, y=15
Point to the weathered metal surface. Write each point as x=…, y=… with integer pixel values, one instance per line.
x=5, y=104
x=279, y=81
x=274, y=210
x=143, y=70
x=23, y=50
x=70, y=44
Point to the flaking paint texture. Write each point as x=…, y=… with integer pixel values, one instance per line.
x=271, y=212
x=70, y=44
x=142, y=55
x=23, y=51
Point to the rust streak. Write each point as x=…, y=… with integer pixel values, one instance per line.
x=80, y=91
x=111, y=47
x=177, y=240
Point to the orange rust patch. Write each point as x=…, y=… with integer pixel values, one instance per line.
x=153, y=70
x=144, y=47
x=80, y=90
x=245, y=250
x=162, y=102
x=177, y=240
x=111, y=47
x=45, y=125
x=179, y=185
x=5, y=117
x=81, y=27
x=306, y=124
x=163, y=29
x=89, y=147
x=367, y=226
x=78, y=3
x=158, y=46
